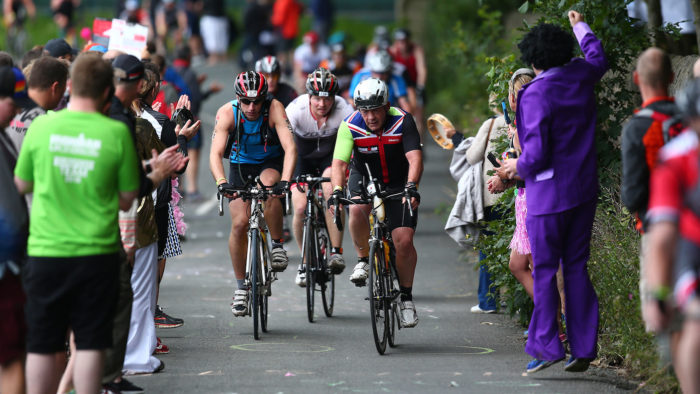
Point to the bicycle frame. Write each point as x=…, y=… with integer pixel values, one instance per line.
x=256, y=222
x=315, y=237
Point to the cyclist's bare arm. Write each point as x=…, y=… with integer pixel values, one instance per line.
x=278, y=120
x=222, y=125
x=342, y=152
x=338, y=170
x=415, y=165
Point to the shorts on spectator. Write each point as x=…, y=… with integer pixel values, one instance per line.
x=285, y=44
x=214, y=31
x=12, y=324
x=79, y=293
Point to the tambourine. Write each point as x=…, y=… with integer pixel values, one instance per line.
x=437, y=126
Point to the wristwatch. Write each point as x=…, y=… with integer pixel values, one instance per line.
x=148, y=167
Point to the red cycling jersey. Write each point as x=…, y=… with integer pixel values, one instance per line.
x=671, y=182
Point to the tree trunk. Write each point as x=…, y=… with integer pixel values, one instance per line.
x=655, y=22
x=696, y=13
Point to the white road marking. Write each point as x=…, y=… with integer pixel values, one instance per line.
x=206, y=206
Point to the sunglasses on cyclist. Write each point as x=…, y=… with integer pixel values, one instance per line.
x=249, y=101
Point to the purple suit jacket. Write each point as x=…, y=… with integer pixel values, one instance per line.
x=556, y=126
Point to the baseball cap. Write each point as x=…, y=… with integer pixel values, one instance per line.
x=311, y=37
x=128, y=68
x=95, y=47
x=13, y=84
x=58, y=47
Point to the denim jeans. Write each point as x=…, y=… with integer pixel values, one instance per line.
x=488, y=292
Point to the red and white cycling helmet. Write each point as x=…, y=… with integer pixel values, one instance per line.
x=251, y=85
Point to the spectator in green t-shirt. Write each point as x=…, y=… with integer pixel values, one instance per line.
x=82, y=168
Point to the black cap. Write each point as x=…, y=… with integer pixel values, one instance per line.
x=58, y=47
x=13, y=84
x=128, y=68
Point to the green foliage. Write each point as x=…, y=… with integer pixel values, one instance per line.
x=462, y=34
x=613, y=265
x=496, y=248
x=622, y=41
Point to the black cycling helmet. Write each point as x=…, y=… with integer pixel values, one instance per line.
x=321, y=83
x=688, y=100
x=268, y=65
x=250, y=84
x=371, y=93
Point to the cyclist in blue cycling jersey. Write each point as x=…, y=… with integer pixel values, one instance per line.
x=254, y=134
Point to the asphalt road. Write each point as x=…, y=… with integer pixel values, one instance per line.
x=451, y=350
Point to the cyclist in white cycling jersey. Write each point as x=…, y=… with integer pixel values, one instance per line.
x=315, y=118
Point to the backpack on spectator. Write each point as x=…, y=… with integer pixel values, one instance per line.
x=663, y=128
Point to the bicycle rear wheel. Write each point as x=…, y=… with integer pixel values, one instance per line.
x=327, y=283
x=255, y=273
x=378, y=302
x=310, y=261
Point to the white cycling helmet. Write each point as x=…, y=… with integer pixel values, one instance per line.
x=371, y=93
x=379, y=62
x=268, y=65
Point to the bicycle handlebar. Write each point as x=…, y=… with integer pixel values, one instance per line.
x=363, y=201
x=252, y=189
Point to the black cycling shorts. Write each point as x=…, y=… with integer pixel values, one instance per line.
x=79, y=293
x=313, y=167
x=398, y=214
x=253, y=170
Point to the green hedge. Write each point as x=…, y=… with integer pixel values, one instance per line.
x=476, y=60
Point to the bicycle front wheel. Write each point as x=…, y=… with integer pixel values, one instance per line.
x=378, y=300
x=255, y=280
x=264, y=290
x=310, y=261
x=327, y=283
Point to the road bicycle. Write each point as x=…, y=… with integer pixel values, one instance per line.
x=258, y=275
x=383, y=281
x=316, y=246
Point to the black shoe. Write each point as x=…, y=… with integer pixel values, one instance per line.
x=124, y=386
x=577, y=364
x=163, y=320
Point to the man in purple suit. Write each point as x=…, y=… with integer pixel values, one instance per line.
x=556, y=126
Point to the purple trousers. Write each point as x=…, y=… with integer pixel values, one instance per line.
x=565, y=237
